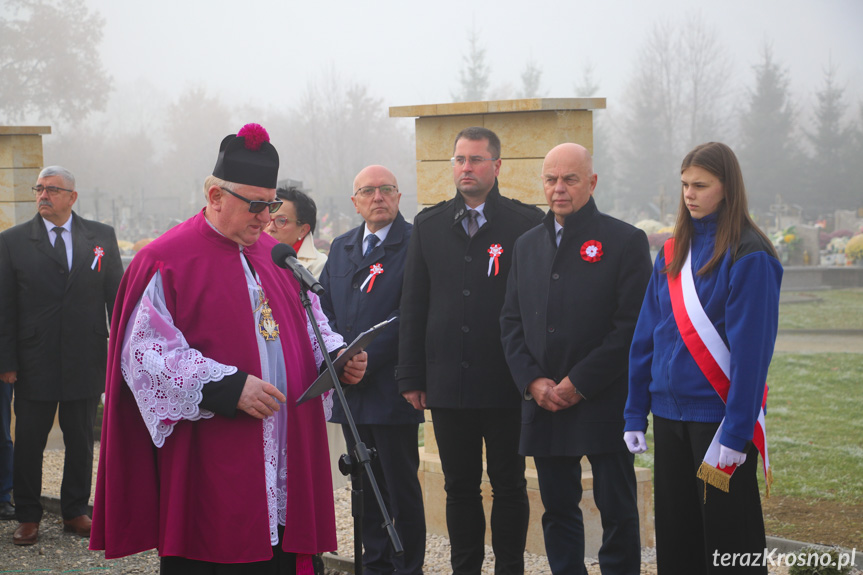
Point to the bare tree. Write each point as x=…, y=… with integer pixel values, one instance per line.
x=50, y=66
x=603, y=156
x=675, y=98
x=195, y=123
x=335, y=130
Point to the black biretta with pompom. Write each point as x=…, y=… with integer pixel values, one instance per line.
x=248, y=158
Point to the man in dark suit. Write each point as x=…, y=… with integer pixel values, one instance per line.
x=451, y=359
x=363, y=283
x=572, y=300
x=59, y=275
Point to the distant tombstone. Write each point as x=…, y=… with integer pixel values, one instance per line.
x=847, y=220
x=809, y=250
x=787, y=220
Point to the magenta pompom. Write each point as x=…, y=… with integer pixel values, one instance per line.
x=255, y=135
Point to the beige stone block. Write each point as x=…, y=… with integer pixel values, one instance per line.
x=434, y=182
x=522, y=135
x=436, y=135
x=20, y=152
x=533, y=134
x=16, y=184
x=429, y=439
x=24, y=130
x=535, y=104
x=497, y=106
x=522, y=179
x=519, y=179
x=434, y=498
x=14, y=213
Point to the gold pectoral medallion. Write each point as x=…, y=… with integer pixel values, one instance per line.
x=267, y=325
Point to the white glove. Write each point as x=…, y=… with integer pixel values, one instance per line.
x=635, y=441
x=729, y=457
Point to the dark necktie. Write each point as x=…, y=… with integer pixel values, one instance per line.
x=60, y=246
x=372, y=241
x=472, y=225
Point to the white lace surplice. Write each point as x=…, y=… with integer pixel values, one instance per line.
x=167, y=376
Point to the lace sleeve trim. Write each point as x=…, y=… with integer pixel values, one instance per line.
x=332, y=340
x=165, y=375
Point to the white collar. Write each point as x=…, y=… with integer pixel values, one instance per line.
x=381, y=233
x=50, y=227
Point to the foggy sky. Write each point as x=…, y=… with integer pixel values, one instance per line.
x=261, y=53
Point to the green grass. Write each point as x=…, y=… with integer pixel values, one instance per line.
x=814, y=427
x=829, y=309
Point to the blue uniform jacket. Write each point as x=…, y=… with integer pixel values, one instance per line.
x=741, y=298
x=376, y=399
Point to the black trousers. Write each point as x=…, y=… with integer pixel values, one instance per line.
x=395, y=469
x=460, y=434
x=694, y=527
x=33, y=422
x=282, y=563
x=614, y=491
x=6, y=448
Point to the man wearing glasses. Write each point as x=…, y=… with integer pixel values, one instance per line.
x=363, y=283
x=450, y=354
x=205, y=454
x=58, y=279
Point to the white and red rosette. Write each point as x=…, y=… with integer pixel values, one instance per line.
x=494, y=252
x=374, y=271
x=97, y=261
x=591, y=251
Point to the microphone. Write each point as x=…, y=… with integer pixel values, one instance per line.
x=285, y=257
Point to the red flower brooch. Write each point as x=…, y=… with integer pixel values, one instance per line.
x=591, y=251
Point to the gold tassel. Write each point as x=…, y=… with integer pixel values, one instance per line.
x=768, y=482
x=718, y=479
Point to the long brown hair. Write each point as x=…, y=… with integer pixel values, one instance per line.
x=732, y=213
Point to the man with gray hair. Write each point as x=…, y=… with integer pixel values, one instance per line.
x=205, y=453
x=59, y=275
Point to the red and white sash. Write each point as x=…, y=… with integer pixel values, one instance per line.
x=714, y=359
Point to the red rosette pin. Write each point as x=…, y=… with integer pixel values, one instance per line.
x=591, y=251
x=494, y=252
x=97, y=261
x=374, y=271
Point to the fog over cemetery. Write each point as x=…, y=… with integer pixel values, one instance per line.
x=136, y=118
x=139, y=95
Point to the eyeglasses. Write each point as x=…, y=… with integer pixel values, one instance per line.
x=473, y=160
x=282, y=221
x=52, y=190
x=257, y=206
x=369, y=191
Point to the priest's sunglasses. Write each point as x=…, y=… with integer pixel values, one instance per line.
x=257, y=206
x=52, y=190
x=369, y=191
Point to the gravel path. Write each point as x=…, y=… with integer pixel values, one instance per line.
x=59, y=552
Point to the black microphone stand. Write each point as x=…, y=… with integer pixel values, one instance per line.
x=358, y=463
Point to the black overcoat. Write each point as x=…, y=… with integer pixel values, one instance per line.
x=53, y=323
x=566, y=316
x=449, y=340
